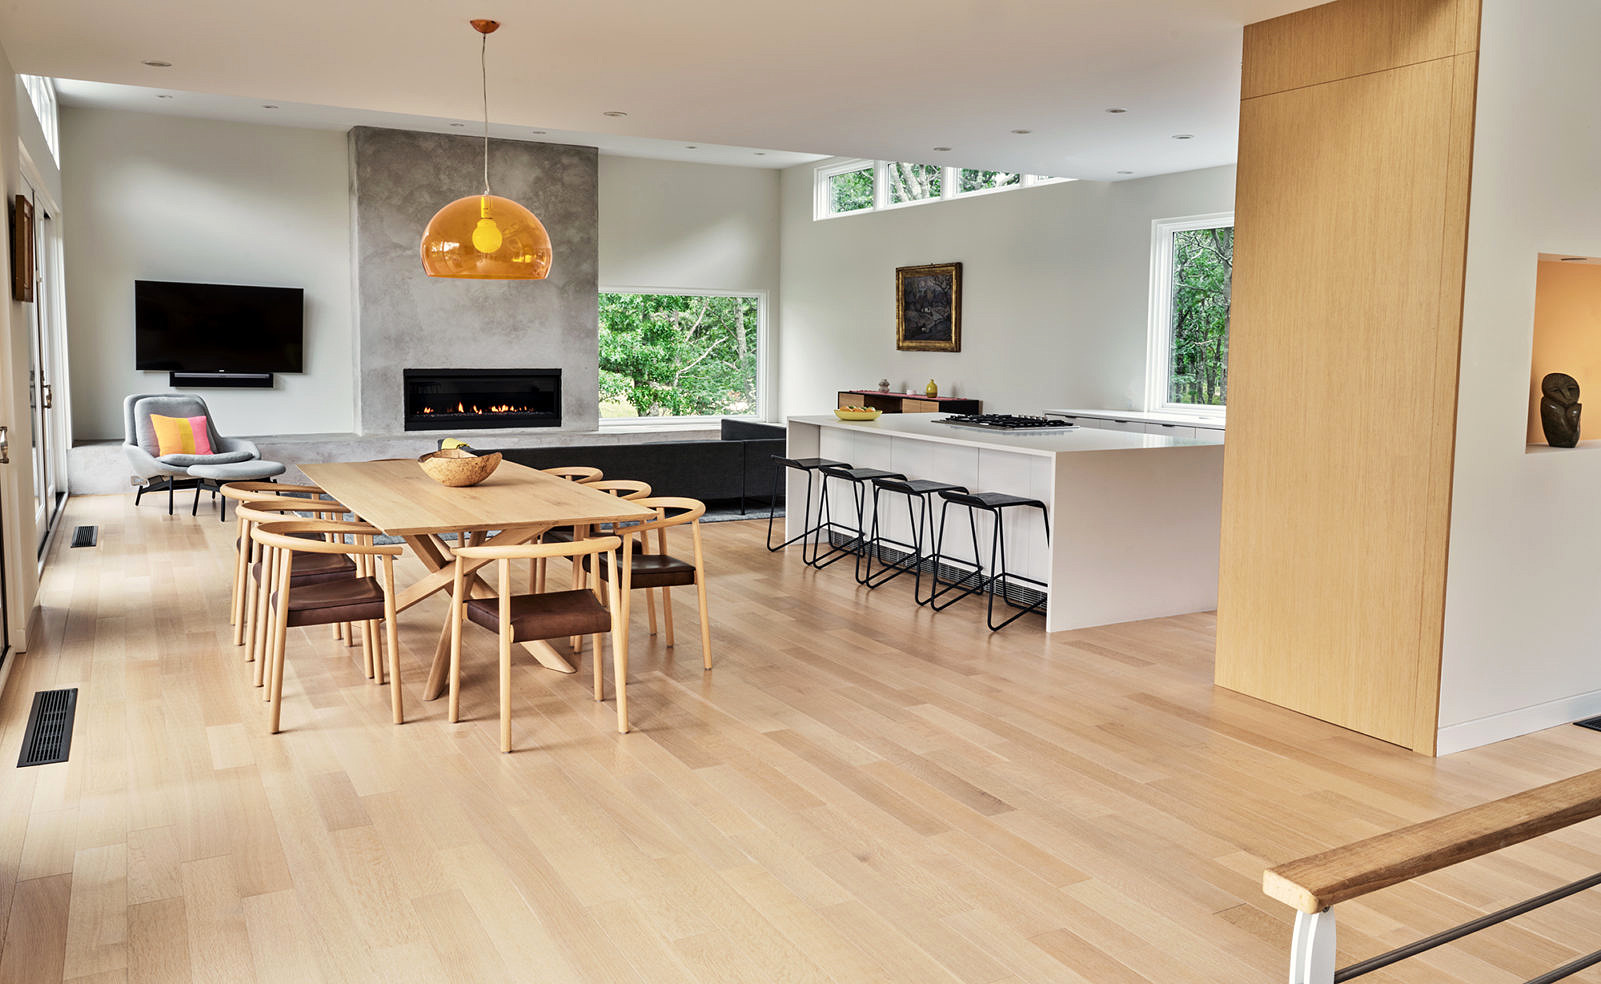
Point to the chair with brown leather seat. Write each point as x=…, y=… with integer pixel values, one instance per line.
x=252, y=632
x=367, y=599
x=534, y=617
x=246, y=492
x=624, y=488
x=661, y=569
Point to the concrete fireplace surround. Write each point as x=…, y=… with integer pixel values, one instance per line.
x=398, y=180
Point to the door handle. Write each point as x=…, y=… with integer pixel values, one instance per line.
x=5, y=446
x=49, y=395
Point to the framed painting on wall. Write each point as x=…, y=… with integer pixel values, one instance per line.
x=22, y=249
x=928, y=308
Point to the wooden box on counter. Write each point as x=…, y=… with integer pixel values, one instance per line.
x=908, y=402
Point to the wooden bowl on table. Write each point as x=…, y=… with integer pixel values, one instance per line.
x=457, y=468
x=857, y=413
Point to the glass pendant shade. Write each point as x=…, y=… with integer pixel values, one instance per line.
x=486, y=237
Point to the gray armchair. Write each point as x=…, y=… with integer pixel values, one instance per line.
x=153, y=472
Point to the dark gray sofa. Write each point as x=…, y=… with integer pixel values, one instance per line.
x=738, y=467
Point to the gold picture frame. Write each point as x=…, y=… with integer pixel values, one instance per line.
x=928, y=308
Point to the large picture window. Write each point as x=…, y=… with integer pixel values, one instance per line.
x=681, y=353
x=1192, y=272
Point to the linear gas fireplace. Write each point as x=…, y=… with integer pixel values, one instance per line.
x=465, y=399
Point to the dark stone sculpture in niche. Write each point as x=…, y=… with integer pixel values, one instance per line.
x=1559, y=409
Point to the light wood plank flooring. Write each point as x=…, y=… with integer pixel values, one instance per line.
x=859, y=792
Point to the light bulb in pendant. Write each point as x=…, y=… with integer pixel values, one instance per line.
x=486, y=234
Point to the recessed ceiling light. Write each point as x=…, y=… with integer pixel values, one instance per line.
x=1022, y=131
x=458, y=124
x=691, y=146
x=163, y=95
x=157, y=63
x=761, y=153
x=942, y=149
x=1125, y=172
x=268, y=106
x=614, y=113
x=1117, y=109
x=1183, y=136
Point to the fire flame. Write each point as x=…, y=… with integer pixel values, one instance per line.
x=497, y=408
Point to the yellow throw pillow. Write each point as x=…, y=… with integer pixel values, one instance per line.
x=180, y=435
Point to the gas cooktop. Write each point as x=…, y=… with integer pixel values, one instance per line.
x=1007, y=422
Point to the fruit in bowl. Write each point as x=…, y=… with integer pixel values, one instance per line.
x=857, y=413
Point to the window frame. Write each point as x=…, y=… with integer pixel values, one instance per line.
x=1159, y=335
x=47, y=108
x=823, y=202
x=764, y=359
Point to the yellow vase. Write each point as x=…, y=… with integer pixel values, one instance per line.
x=931, y=389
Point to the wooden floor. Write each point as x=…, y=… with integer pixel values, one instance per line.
x=858, y=792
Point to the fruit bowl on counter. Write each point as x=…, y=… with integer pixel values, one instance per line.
x=857, y=413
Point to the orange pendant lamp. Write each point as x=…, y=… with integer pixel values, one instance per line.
x=486, y=237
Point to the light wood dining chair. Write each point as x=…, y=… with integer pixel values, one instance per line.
x=240, y=493
x=625, y=488
x=251, y=630
x=531, y=617
x=576, y=473
x=367, y=599
x=661, y=569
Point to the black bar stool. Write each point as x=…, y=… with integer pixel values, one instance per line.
x=781, y=465
x=920, y=517
x=994, y=503
x=826, y=526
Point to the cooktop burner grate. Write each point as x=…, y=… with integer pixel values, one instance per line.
x=1008, y=422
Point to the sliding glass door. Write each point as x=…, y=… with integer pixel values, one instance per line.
x=43, y=356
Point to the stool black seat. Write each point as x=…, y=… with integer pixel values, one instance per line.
x=919, y=515
x=807, y=465
x=991, y=500
x=998, y=576
x=827, y=526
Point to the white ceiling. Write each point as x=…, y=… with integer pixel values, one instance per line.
x=887, y=79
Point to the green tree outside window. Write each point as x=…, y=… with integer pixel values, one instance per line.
x=1203, y=269
x=676, y=355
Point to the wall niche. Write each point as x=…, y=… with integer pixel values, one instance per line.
x=1567, y=337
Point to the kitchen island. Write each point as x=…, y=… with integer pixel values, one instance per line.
x=1134, y=517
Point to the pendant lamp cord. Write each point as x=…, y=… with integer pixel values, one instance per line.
x=483, y=75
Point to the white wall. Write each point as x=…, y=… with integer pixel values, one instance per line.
x=666, y=224
x=1055, y=282
x=1522, y=645
x=164, y=198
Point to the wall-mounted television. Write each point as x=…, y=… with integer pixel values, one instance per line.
x=217, y=327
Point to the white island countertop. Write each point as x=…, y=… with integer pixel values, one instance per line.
x=926, y=427
x=1209, y=421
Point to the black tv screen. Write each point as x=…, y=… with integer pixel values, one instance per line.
x=217, y=327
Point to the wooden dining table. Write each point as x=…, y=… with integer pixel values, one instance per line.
x=514, y=505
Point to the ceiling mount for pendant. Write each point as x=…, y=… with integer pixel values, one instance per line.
x=486, y=237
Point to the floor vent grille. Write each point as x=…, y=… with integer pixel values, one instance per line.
x=85, y=536
x=49, y=735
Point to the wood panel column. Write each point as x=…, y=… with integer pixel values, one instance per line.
x=1356, y=122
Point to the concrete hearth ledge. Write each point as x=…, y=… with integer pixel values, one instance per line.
x=99, y=467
